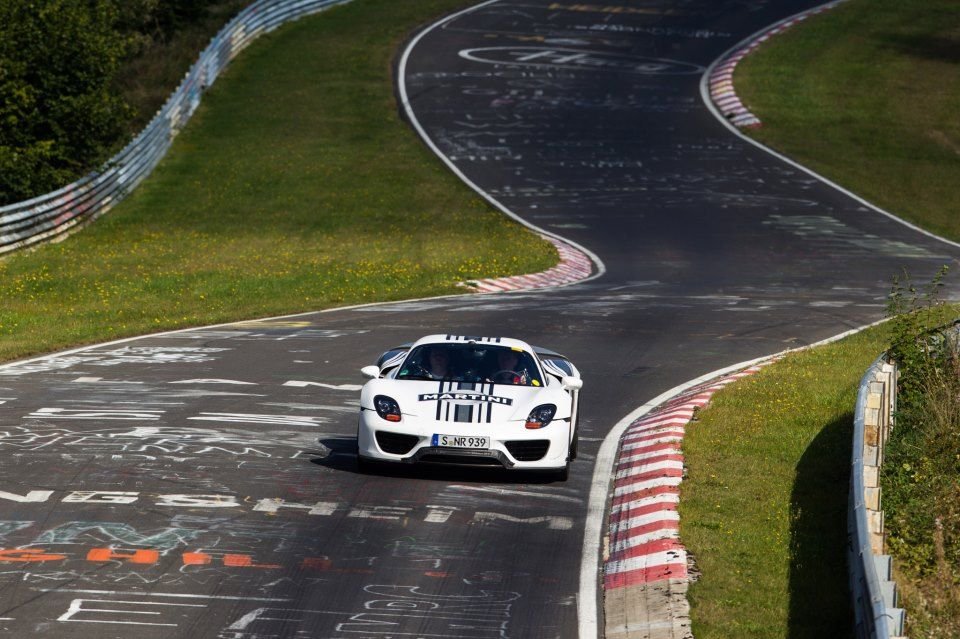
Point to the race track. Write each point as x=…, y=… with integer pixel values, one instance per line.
x=203, y=483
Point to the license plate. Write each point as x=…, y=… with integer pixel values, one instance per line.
x=461, y=441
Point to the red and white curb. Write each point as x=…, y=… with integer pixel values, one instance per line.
x=574, y=266
x=722, y=92
x=643, y=525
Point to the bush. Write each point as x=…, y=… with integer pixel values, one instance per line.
x=921, y=471
x=58, y=114
x=61, y=110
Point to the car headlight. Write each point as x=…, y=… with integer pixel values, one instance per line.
x=387, y=408
x=540, y=416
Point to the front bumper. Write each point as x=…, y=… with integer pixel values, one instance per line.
x=511, y=444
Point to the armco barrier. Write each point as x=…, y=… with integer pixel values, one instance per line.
x=873, y=591
x=54, y=214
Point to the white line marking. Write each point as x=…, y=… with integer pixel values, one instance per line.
x=158, y=594
x=705, y=96
x=522, y=493
x=76, y=607
x=343, y=387
x=600, y=483
x=213, y=381
x=405, y=101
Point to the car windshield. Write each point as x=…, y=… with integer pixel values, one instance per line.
x=471, y=363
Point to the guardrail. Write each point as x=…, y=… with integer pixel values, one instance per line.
x=50, y=216
x=873, y=590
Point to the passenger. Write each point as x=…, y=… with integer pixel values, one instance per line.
x=438, y=363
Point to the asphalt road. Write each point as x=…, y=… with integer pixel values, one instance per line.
x=203, y=483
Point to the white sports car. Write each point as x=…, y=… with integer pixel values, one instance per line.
x=470, y=400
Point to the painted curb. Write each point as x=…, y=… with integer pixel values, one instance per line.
x=574, y=266
x=631, y=601
x=720, y=77
x=563, y=245
x=643, y=528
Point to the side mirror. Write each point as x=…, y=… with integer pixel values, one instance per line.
x=572, y=383
x=373, y=372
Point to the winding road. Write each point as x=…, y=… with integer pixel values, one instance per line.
x=203, y=483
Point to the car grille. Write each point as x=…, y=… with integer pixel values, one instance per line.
x=528, y=450
x=395, y=443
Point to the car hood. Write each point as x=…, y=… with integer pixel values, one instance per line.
x=460, y=401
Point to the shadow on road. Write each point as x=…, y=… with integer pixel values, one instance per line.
x=343, y=457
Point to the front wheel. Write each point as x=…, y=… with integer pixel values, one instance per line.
x=564, y=473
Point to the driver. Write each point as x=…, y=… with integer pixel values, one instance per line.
x=507, y=373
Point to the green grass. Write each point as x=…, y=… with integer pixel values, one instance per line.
x=868, y=94
x=157, y=65
x=295, y=187
x=763, y=509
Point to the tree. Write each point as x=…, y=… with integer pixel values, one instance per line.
x=58, y=113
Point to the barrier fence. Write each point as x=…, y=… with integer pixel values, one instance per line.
x=871, y=581
x=52, y=215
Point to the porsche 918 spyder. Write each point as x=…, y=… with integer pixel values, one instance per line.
x=470, y=400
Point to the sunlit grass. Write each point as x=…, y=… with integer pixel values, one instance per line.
x=763, y=509
x=868, y=95
x=295, y=187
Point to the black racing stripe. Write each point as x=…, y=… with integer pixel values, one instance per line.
x=438, y=401
x=490, y=405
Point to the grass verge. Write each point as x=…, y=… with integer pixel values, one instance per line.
x=764, y=507
x=867, y=94
x=295, y=187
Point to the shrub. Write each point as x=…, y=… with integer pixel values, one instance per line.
x=58, y=114
x=921, y=471
x=62, y=110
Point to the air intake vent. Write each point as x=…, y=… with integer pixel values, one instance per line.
x=528, y=450
x=395, y=443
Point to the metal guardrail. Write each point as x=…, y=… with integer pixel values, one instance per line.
x=873, y=591
x=52, y=215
